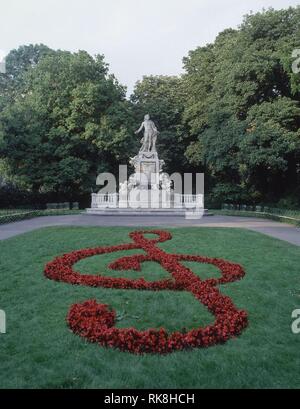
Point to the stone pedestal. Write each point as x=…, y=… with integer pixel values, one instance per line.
x=147, y=167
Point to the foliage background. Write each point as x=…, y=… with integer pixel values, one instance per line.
x=234, y=114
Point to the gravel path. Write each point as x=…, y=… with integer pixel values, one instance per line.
x=278, y=230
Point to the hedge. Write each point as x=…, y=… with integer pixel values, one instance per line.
x=11, y=216
x=281, y=215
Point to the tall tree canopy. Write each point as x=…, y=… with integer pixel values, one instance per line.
x=242, y=107
x=66, y=122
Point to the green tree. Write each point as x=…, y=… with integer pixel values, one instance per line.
x=66, y=125
x=18, y=62
x=242, y=109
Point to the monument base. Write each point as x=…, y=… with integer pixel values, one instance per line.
x=147, y=212
x=148, y=191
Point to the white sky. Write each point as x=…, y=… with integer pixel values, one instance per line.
x=137, y=37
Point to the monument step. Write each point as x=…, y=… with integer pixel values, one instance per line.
x=141, y=212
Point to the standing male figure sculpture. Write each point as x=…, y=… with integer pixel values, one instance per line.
x=150, y=135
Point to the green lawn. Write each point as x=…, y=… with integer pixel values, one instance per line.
x=40, y=351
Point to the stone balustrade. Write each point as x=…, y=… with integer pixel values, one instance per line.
x=176, y=200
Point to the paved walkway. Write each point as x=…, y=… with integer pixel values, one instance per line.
x=278, y=230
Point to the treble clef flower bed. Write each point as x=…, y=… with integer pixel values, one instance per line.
x=96, y=322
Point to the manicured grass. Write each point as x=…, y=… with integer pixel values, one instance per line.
x=40, y=351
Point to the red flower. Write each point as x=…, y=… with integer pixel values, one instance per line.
x=96, y=322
